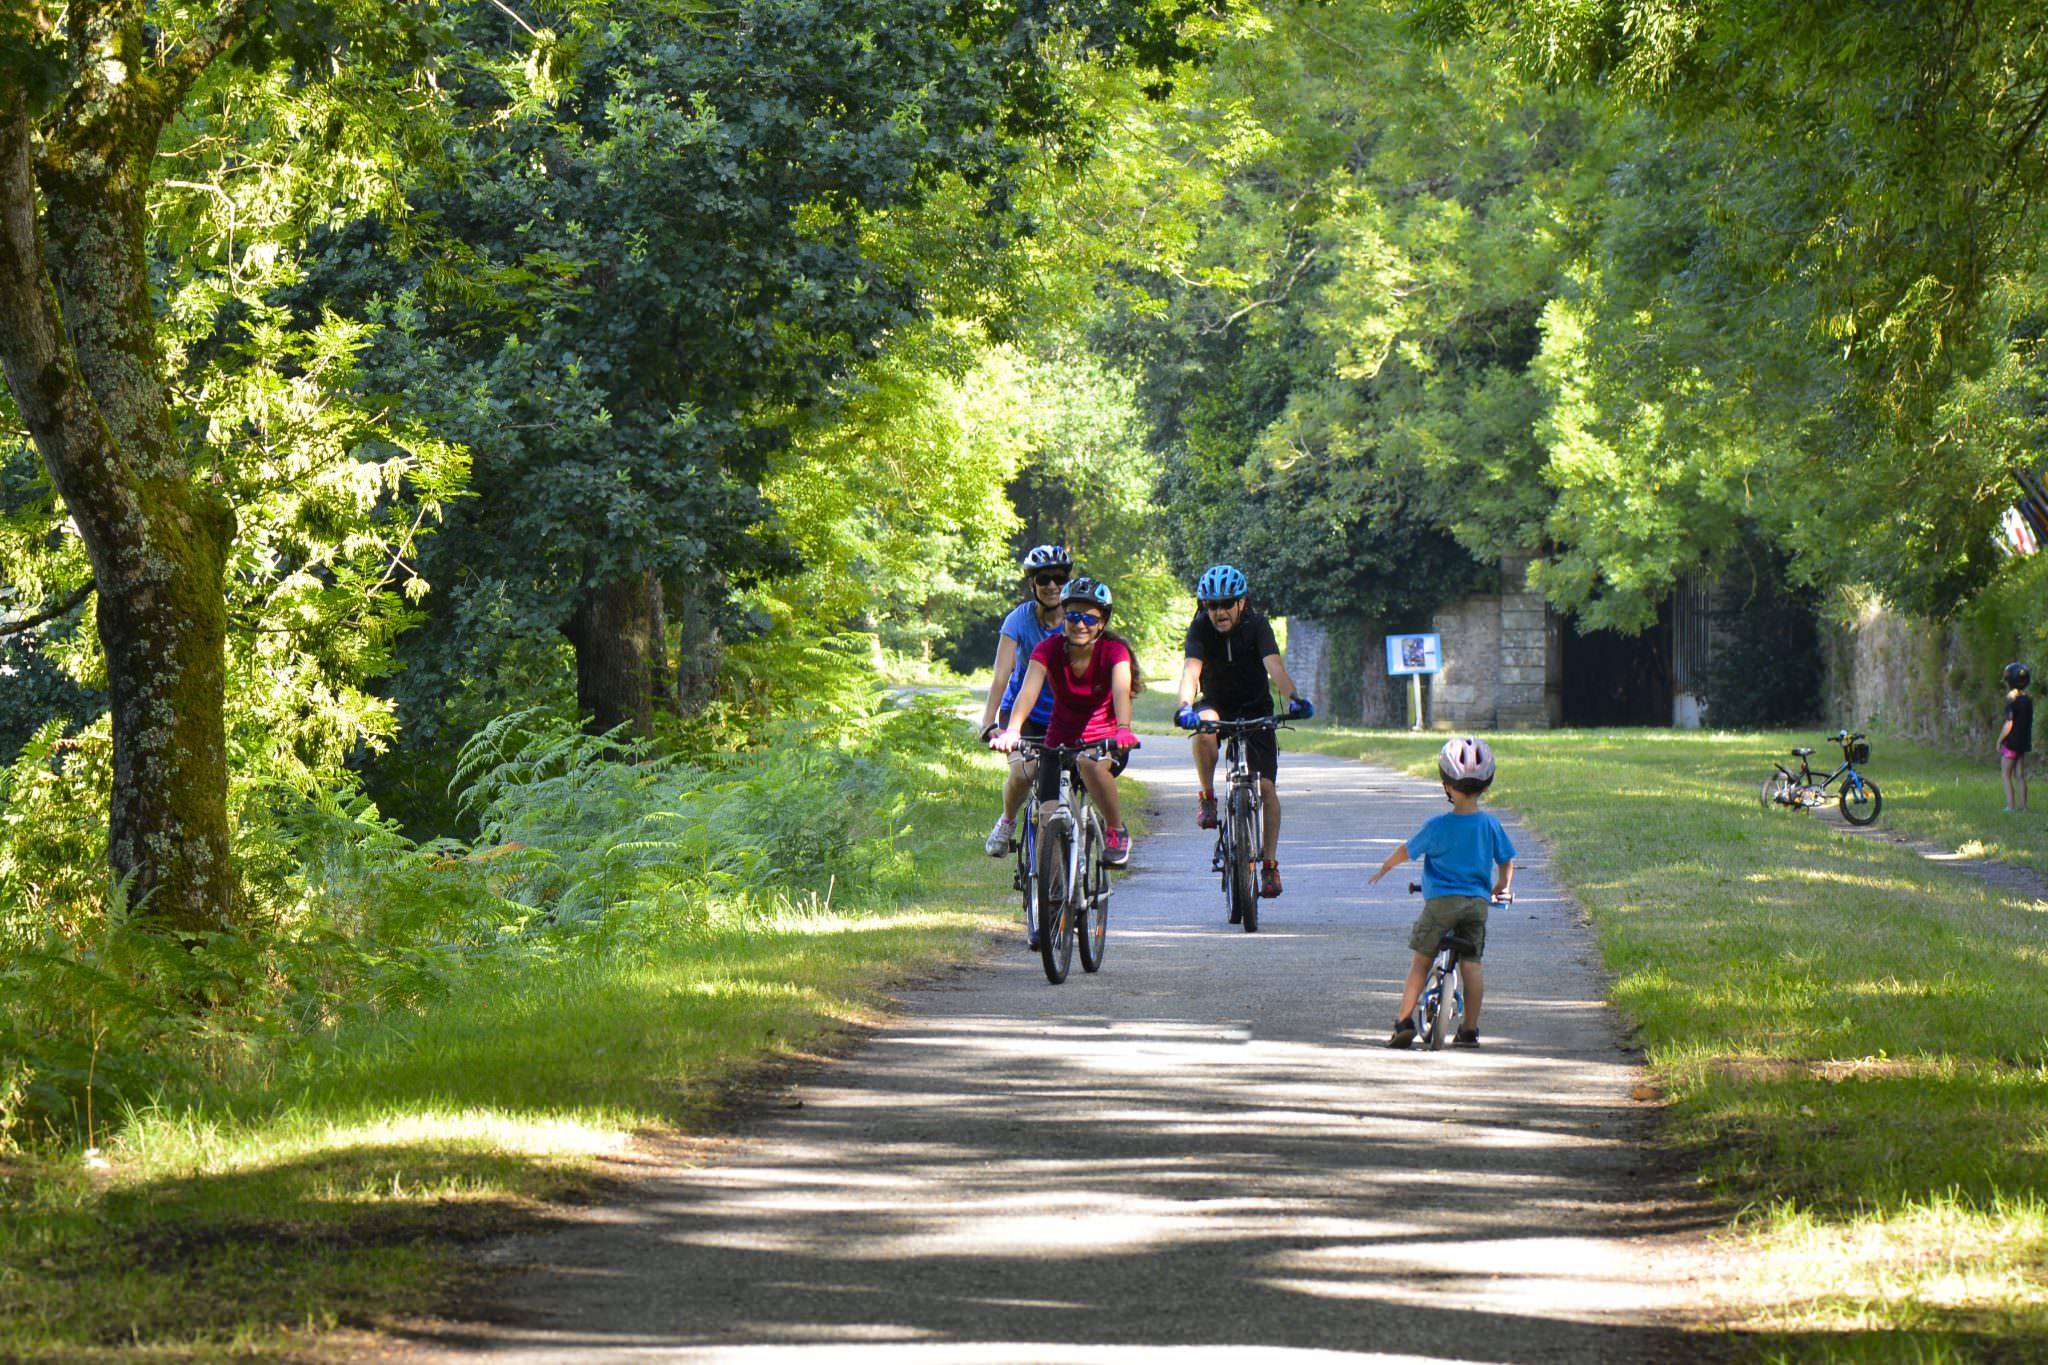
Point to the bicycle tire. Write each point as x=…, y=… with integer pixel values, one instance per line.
x=1055, y=904
x=1027, y=872
x=1775, y=790
x=1094, y=915
x=1442, y=1018
x=1861, y=812
x=1244, y=889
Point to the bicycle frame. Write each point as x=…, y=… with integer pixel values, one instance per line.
x=1238, y=777
x=1806, y=778
x=1444, y=976
x=1072, y=811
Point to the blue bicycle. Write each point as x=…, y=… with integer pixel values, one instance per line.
x=1804, y=790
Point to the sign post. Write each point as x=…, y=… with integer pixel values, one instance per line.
x=1413, y=656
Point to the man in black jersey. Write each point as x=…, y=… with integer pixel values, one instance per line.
x=1231, y=654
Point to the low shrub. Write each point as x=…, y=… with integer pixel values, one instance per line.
x=585, y=846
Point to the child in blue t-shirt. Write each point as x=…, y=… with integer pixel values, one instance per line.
x=1467, y=863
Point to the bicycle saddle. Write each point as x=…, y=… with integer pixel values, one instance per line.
x=1802, y=753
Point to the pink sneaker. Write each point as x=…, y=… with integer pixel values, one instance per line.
x=1116, y=846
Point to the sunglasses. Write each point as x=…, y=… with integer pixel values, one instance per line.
x=1083, y=618
x=1223, y=605
x=1049, y=579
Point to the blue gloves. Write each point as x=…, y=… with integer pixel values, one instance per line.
x=1186, y=718
x=1299, y=708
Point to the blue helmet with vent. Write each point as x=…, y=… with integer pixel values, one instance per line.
x=1220, y=583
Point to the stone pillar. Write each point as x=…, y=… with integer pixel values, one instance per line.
x=1531, y=646
x=1308, y=658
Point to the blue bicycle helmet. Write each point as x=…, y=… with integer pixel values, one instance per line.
x=2016, y=675
x=1047, y=557
x=1086, y=589
x=1220, y=583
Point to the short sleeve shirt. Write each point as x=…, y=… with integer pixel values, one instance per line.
x=1234, y=665
x=2021, y=710
x=1460, y=853
x=1082, y=708
x=1022, y=626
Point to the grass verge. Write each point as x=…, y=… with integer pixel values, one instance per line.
x=1850, y=1038
x=269, y=1223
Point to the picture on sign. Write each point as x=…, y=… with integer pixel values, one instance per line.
x=1414, y=654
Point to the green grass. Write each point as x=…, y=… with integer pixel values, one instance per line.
x=274, y=1221
x=1850, y=1038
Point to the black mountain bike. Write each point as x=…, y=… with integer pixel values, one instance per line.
x=1071, y=880
x=1859, y=797
x=1240, y=819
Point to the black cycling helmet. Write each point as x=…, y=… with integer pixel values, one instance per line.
x=2016, y=675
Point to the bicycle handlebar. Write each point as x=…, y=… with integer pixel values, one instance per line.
x=1506, y=898
x=1214, y=727
x=1098, y=748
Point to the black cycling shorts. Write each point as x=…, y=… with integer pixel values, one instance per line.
x=1261, y=747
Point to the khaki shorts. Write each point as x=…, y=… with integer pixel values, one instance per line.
x=1462, y=915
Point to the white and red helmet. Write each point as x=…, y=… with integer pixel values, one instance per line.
x=1466, y=758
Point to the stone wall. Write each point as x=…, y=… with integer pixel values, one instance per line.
x=1911, y=677
x=1530, y=695
x=1502, y=653
x=1466, y=695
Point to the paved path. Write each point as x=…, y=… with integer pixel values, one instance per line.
x=1205, y=1146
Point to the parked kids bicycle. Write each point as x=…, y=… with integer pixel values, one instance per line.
x=1859, y=797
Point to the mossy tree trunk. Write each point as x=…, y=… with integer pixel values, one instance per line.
x=78, y=345
x=701, y=652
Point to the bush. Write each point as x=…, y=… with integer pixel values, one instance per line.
x=586, y=846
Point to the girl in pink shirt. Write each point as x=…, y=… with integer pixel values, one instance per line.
x=1089, y=672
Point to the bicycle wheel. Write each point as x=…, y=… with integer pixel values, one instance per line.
x=1094, y=916
x=1055, y=908
x=1244, y=893
x=1776, y=791
x=1861, y=807
x=1027, y=873
x=1444, y=1011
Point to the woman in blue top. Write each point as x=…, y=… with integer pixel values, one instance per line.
x=1046, y=571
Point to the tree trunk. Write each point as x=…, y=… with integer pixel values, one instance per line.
x=612, y=633
x=659, y=678
x=78, y=346
x=701, y=651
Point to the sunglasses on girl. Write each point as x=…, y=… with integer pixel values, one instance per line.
x=1083, y=618
x=1046, y=580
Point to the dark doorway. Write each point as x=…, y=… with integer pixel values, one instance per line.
x=1616, y=679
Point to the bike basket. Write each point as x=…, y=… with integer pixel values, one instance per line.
x=1859, y=752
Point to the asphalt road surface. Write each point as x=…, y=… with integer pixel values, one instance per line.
x=1203, y=1152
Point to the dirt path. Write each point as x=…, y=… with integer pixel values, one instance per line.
x=1205, y=1146
x=2010, y=878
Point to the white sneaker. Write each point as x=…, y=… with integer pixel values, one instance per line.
x=998, y=842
